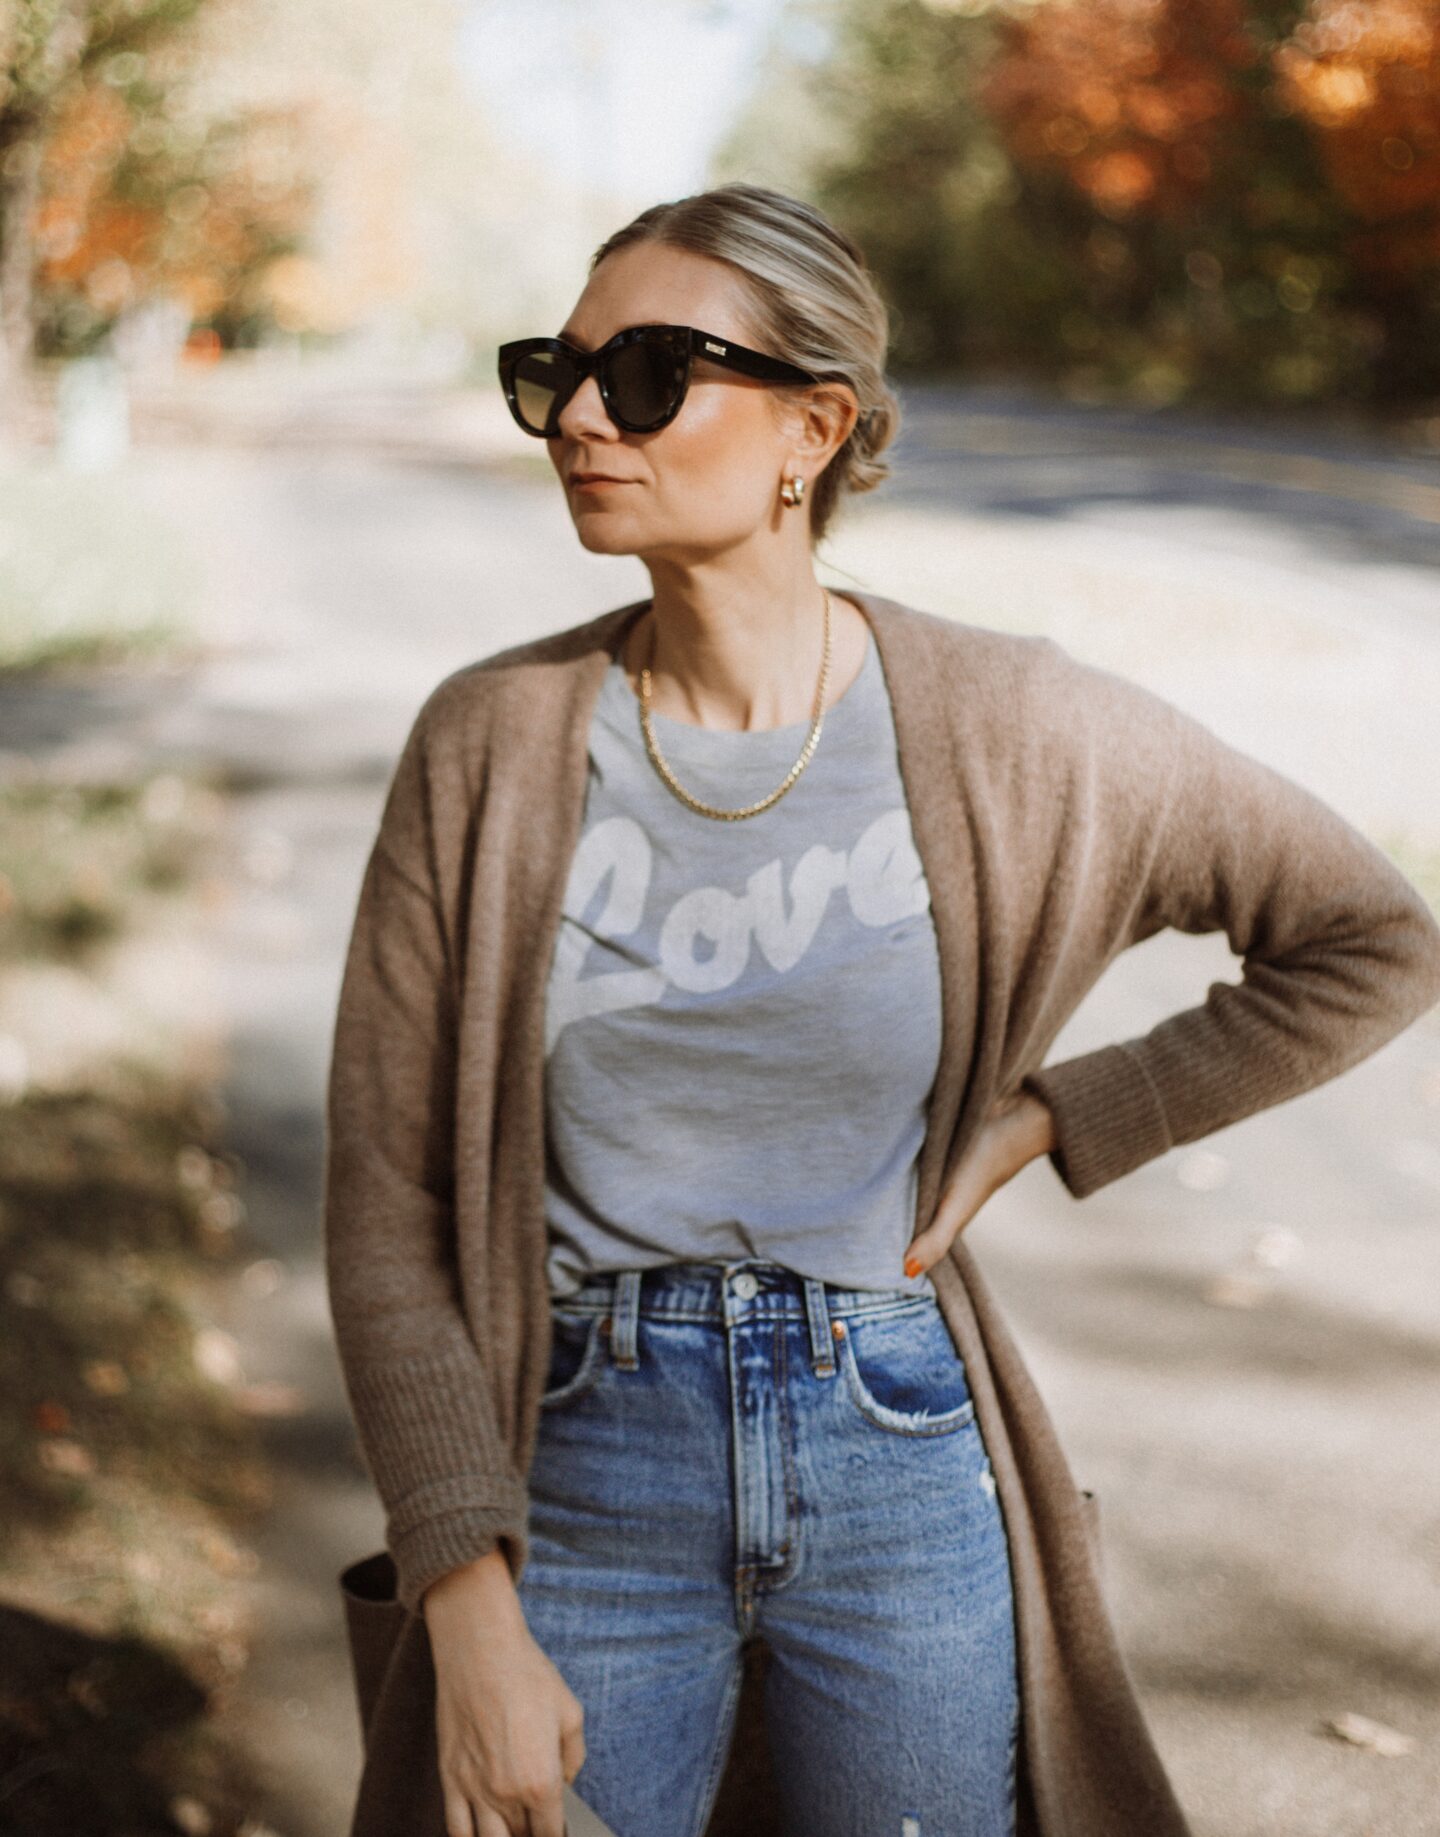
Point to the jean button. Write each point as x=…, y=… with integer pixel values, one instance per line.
x=745, y=1284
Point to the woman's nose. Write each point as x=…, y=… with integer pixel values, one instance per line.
x=585, y=412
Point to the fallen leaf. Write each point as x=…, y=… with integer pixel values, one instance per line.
x=192, y=1816
x=217, y=1356
x=271, y=1398
x=105, y=1377
x=66, y=1457
x=264, y=1277
x=194, y=1169
x=1362, y=1732
x=1235, y=1289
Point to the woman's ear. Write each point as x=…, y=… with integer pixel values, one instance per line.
x=829, y=414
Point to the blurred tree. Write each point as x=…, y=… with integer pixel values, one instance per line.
x=1184, y=199
x=869, y=107
x=432, y=229
x=140, y=201
x=1132, y=103
x=1160, y=199
x=1199, y=128
x=1366, y=80
x=47, y=49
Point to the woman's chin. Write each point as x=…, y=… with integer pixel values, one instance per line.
x=605, y=535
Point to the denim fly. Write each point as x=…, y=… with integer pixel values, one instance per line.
x=731, y=1451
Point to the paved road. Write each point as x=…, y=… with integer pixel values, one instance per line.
x=1271, y=1506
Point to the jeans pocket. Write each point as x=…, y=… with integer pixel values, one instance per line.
x=904, y=1372
x=578, y=1353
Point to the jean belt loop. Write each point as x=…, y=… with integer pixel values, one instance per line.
x=625, y=1320
x=822, y=1339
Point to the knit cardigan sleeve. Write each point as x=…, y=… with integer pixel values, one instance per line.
x=1166, y=825
x=414, y=1376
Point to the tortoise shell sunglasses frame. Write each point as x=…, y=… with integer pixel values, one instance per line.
x=665, y=379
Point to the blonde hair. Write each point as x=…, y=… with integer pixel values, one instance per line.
x=811, y=300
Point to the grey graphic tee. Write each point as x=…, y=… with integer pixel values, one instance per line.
x=742, y=1019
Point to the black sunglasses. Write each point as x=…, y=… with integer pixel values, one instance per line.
x=643, y=374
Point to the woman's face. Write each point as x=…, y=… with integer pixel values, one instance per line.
x=710, y=478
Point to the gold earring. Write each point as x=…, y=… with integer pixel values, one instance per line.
x=792, y=490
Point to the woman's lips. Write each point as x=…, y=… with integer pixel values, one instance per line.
x=599, y=484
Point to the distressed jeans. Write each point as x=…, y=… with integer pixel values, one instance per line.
x=735, y=1450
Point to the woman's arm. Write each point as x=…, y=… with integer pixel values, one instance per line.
x=414, y=1376
x=1339, y=951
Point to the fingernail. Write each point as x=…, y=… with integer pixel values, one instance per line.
x=912, y=1266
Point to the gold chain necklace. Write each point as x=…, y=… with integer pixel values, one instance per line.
x=811, y=741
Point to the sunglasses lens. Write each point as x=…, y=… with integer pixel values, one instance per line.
x=543, y=379
x=644, y=379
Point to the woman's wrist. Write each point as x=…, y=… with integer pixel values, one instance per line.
x=1030, y=1124
x=485, y=1584
x=1041, y=1123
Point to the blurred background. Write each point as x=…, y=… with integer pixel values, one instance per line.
x=1165, y=285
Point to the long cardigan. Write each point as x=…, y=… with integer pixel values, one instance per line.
x=1062, y=814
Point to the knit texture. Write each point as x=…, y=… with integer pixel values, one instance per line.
x=1062, y=813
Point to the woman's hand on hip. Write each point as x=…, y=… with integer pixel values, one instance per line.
x=510, y=1729
x=1018, y=1128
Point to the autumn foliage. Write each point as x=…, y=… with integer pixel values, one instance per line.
x=1231, y=199
x=1130, y=99
x=1366, y=78
x=118, y=186
x=1138, y=103
x=129, y=210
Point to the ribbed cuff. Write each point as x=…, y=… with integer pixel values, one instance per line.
x=423, y=1420
x=427, y=1432
x=433, y=1547
x=1108, y=1117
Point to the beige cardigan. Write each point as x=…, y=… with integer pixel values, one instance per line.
x=1062, y=813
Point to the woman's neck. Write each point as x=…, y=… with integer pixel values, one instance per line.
x=742, y=667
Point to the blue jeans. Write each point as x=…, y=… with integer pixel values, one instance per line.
x=736, y=1450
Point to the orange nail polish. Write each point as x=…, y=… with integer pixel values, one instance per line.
x=912, y=1266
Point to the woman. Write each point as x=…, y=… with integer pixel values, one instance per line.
x=699, y=987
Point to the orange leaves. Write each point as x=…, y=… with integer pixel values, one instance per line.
x=74, y=230
x=1132, y=102
x=1367, y=81
x=1126, y=98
